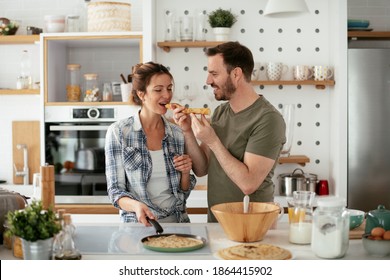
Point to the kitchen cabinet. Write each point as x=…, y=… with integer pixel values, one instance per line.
x=18, y=40
x=106, y=54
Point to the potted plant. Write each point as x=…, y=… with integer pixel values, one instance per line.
x=36, y=227
x=221, y=21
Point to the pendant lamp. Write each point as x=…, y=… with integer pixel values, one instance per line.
x=285, y=8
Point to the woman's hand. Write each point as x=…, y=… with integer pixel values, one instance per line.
x=141, y=211
x=183, y=163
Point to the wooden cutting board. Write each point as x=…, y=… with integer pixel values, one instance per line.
x=26, y=132
x=357, y=233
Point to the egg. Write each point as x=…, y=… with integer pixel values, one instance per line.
x=377, y=232
x=386, y=235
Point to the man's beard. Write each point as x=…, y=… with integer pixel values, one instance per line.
x=227, y=90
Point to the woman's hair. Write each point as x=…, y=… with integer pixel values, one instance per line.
x=142, y=74
x=234, y=55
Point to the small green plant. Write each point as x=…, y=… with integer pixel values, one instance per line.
x=222, y=18
x=33, y=222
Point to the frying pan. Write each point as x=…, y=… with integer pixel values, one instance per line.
x=159, y=233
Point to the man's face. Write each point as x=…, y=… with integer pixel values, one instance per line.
x=219, y=79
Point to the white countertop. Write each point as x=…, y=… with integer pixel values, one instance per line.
x=122, y=241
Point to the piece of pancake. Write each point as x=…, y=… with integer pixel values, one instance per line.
x=256, y=251
x=202, y=111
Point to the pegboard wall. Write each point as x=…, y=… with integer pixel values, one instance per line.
x=292, y=41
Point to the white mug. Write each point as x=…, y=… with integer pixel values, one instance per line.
x=257, y=69
x=275, y=70
x=322, y=73
x=302, y=72
x=126, y=91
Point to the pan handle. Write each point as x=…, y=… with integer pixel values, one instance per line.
x=156, y=225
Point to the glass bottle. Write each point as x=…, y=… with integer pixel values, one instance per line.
x=73, y=89
x=107, y=92
x=25, y=70
x=301, y=217
x=67, y=250
x=84, y=16
x=288, y=116
x=73, y=23
x=91, y=88
x=330, y=237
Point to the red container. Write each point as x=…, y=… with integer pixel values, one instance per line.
x=322, y=187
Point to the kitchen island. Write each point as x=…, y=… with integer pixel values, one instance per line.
x=117, y=241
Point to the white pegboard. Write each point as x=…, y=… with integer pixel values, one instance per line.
x=301, y=40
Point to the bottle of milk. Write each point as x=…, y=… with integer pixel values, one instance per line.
x=300, y=230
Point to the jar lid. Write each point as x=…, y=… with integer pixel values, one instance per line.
x=91, y=76
x=331, y=201
x=73, y=66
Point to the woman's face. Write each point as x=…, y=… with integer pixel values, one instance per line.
x=158, y=94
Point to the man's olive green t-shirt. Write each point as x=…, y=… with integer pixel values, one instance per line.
x=258, y=129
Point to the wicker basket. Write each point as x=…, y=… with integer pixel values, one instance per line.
x=109, y=16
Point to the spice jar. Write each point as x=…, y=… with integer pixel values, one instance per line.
x=107, y=92
x=330, y=237
x=73, y=89
x=91, y=88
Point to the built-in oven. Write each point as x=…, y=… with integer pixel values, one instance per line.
x=74, y=144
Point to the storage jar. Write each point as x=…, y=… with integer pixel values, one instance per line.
x=91, y=88
x=330, y=236
x=73, y=88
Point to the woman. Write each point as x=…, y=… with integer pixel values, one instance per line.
x=147, y=170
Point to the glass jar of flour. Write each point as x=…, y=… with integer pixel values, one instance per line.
x=330, y=236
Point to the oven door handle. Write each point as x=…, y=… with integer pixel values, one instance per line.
x=78, y=127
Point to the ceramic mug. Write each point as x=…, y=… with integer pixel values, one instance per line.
x=257, y=69
x=322, y=73
x=126, y=91
x=302, y=72
x=275, y=70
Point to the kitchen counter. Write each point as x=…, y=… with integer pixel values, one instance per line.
x=122, y=241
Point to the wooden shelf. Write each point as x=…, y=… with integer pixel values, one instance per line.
x=369, y=35
x=317, y=84
x=299, y=159
x=19, y=39
x=19, y=91
x=166, y=46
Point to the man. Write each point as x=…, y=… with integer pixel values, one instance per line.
x=240, y=148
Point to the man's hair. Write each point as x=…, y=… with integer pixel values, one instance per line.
x=234, y=55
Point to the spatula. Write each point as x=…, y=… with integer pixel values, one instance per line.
x=246, y=203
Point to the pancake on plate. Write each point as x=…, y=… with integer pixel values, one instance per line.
x=256, y=251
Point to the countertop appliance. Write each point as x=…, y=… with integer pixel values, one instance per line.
x=368, y=121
